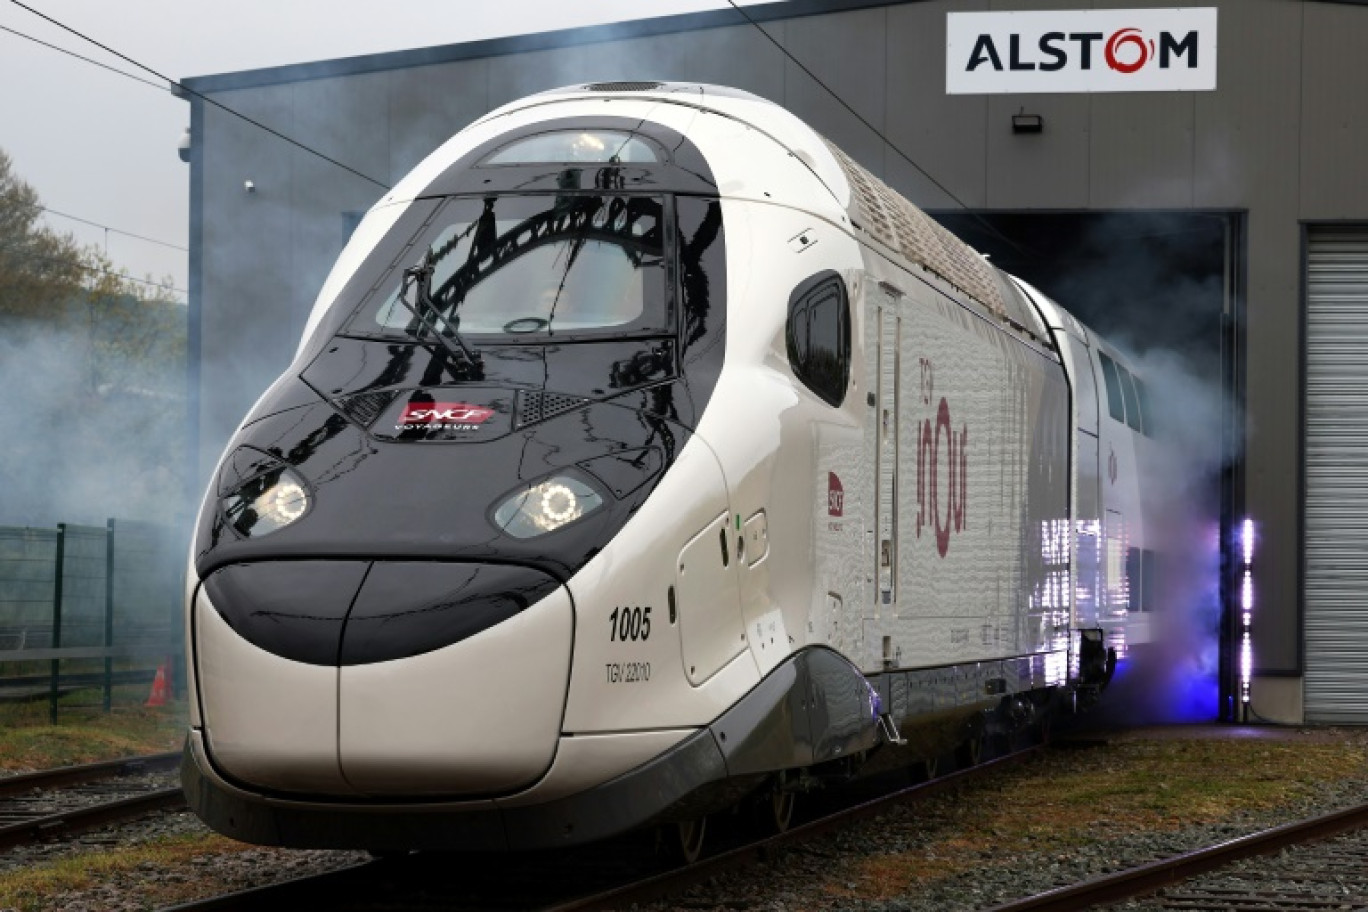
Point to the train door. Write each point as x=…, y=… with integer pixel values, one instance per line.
x=887, y=372
x=1088, y=603
x=1117, y=584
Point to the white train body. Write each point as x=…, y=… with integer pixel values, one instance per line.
x=928, y=539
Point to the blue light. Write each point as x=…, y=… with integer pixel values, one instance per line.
x=1247, y=604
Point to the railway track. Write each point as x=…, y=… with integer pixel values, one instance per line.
x=1316, y=864
x=1314, y=872
x=51, y=803
x=611, y=875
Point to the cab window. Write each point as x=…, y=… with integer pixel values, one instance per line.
x=818, y=336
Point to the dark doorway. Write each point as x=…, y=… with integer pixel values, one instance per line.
x=1164, y=287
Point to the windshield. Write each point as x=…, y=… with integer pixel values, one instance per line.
x=533, y=266
x=574, y=146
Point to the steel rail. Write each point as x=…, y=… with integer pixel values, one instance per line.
x=296, y=893
x=80, y=819
x=658, y=885
x=1159, y=874
x=88, y=772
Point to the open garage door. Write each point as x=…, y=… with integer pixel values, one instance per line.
x=1336, y=475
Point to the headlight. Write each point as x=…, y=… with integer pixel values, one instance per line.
x=546, y=507
x=266, y=503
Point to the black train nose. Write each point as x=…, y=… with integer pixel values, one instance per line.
x=331, y=612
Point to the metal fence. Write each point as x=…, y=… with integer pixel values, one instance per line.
x=86, y=596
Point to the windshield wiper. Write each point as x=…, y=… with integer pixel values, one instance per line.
x=429, y=314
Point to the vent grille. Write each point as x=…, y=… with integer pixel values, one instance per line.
x=622, y=86
x=899, y=224
x=365, y=408
x=534, y=407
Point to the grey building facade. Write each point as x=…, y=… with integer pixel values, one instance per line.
x=1266, y=172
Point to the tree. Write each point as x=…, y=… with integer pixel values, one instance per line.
x=40, y=270
x=92, y=379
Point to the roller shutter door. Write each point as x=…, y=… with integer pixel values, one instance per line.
x=1336, y=579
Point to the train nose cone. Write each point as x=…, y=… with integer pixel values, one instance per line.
x=480, y=716
x=266, y=638
x=383, y=678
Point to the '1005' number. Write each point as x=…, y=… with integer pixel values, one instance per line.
x=632, y=624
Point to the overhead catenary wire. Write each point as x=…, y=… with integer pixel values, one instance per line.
x=38, y=257
x=93, y=224
x=873, y=129
x=992, y=229
x=91, y=60
x=179, y=86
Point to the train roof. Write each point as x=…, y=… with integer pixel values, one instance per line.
x=867, y=203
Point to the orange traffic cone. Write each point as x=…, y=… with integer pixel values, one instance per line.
x=161, y=689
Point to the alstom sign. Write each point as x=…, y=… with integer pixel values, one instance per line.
x=1145, y=50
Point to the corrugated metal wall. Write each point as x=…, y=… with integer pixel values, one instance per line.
x=1336, y=506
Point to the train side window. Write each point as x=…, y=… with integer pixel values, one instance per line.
x=1132, y=404
x=818, y=336
x=1147, y=580
x=1146, y=411
x=1114, y=401
x=1134, y=580
x=1085, y=386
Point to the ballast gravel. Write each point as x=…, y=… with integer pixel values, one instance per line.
x=808, y=876
x=128, y=890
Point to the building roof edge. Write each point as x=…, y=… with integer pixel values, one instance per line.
x=516, y=44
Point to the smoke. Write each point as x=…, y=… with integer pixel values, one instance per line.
x=93, y=425
x=1152, y=284
x=1175, y=677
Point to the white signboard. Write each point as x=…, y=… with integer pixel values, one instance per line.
x=1145, y=50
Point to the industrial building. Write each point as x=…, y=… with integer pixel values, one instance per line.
x=1190, y=182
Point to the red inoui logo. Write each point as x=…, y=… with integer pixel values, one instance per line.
x=941, y=503
x=441, y=414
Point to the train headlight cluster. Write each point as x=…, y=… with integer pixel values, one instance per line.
x=546, y=506
x=266, y=503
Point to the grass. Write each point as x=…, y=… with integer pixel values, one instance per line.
x=1068, y=799
x=48, y=885
x=85, y=733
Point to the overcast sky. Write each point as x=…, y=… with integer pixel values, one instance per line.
x=102, y=147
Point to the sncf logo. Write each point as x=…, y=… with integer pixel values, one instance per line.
x=442, y=416
x=835, y=495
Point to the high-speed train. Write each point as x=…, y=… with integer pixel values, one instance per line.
x=644, y=452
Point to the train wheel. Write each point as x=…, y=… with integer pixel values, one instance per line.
x=781, y=805
x=1046, y=724
x=691, y=833
x=969, y=753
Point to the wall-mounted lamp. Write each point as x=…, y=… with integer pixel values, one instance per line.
x=249, y=186
x=1027, y=123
